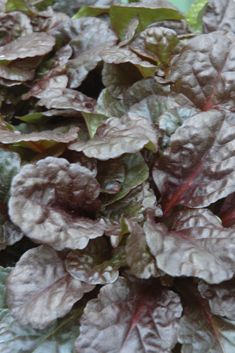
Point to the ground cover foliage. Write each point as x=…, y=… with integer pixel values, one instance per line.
x=117, y=177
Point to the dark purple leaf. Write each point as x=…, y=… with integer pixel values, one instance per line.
x=197, y=246
x=39, y=290
x=62, y=195
x=204, y=70
x=64, y=99
x=201, y=332
x=141, y=262
x=116, y=137
x=28, y=46
x=94, y=36
x=198, y=168
x=220, y=298
x=95, y=264
x=136, y=320
x=219, y=15
x=56, y=135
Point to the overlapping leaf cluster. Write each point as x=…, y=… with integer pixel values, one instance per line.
x=117, y=177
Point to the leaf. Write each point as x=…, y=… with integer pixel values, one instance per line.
x=118, y=78
x=56, y=135
x=116, y=137
x=134, y=205
x=63, y=196
x=14, y=338
x=220, y=298
x=203, y=75
x=219, y=15
x=200, y=332
x=194, y=15
x=135, y=173
x=9, y=233
x=59, y=98
x=28, y=46
x=227, y=213
x=197, y=170
x=156, y=43
x=138, y=256
x=196, y=246
x=140, y=320
x=95, y=265
x=146, y=11
x=93, y=122
x=39, y=290
x=94, y=36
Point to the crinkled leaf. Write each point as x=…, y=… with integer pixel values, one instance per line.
x=156, y=43
x=141, y=262
x=56, y=135
x=135, y=173
x=28, y=46
x=219, y=15
x=94, y=37
x=94, y=265
x=133, y=205
x=147, y=11
x=227, y=211
x=62, y=195
x=138, y=321
x=59, y=98
x=116, y=137
x=220, y=298
x=197, y=246
x=39, y=290
x=109, y=105
x=198, y=168
x=204, y=70
x=14, y=24
x=15, y=338
x=9, y=233
x=200, y=332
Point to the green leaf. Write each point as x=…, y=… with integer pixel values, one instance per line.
x=93, y=121
x=146, y=13
x=136, y=172
x=194, y=16
x=92, y=11
x=32, y=118
x=14, y=338
x=17, y=5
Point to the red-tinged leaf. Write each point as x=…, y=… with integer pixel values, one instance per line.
x=227, y=211
x=62, y=197
x=202, y=332
x=95, y=264
x=141, y=262
x=116, y=137
x=39, y=290
x=204, y=70
x=220, y=298
x=28, y=46
x=198, y=168
x=56, y=135
x=125, y=318
x=59, y=98
x=219, y=15
x=197, y=246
